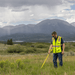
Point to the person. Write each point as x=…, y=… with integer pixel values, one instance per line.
x=58, y=46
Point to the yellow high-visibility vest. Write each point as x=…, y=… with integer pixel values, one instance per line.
x=56, y=45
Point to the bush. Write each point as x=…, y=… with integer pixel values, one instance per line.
x=22, y=53
x=15, y=49
x=30, y=50
x=2, y=63
x=12, y=65
x=20, y=64
x=27, y=44
x=73, y=44
x=41, y=46
x=67, y=48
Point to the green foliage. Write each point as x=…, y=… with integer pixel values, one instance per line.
x=32, y=66
x=30, y=50
x=9, y=42
x=20, y=64
x=41, y=46
x=15, y=49
x=27, y=44
x=12, y=65
x=2, y=63
x=22, y=53
x=67, y=48
x=73, y=44
x=26, y=48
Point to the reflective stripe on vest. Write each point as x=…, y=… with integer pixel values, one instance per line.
x=56, y=46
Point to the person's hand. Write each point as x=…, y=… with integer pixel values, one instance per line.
x=49, y=52
x=63, y=52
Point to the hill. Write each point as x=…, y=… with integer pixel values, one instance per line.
x=41, y=30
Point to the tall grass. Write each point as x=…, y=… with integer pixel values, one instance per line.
x=27, y=48
x=31, y=65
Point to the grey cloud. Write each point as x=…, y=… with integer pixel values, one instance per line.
x=18, y=10
x=19, y=3
x=71, y=1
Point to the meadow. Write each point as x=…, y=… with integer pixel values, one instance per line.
x=27, y=59
x=31, y=48
x=31, y=65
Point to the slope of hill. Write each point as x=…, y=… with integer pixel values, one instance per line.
x=73, y=24
x=45, y=28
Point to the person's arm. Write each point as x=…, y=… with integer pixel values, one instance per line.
x=62, y=42
x=63, y=48
x=50, y=48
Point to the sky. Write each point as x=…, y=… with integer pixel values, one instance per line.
x=15, y=12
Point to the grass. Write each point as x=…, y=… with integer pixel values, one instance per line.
x=27, y=48
x=15, y=61
x=31, y=65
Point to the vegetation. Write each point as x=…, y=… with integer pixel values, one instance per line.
x=23, y=64
x=15, y=49
x=27, y=48
x=9, y=42
x=31, y=65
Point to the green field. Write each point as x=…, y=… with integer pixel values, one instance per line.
x=31, y=65
x=27, y=59
x=31, y=48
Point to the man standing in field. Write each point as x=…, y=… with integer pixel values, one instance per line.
x=58, y=48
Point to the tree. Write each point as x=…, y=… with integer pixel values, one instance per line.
x=9, y=42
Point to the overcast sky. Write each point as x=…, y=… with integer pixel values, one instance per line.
x=14, y=12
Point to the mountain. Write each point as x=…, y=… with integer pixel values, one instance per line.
x=60, y=26
x=3, y=32
x=38, y=37
x=73, y=24
x=45, y=27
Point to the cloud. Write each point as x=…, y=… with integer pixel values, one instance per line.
x=19, y=3
x=19, y=10
x=34, y=11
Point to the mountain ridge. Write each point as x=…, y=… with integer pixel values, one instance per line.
x=47, y=26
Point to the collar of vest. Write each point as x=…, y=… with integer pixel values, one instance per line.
x=54, y=38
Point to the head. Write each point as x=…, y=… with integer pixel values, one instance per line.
x=54, y=34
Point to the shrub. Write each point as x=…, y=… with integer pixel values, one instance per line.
x=15, y=49
x=20, y=64
x=32, y=46
x=73, y=44
x=27, y=44
x=30, y=50
x=67, y=48
x=22, y=53
x=41, y=46
x=12, y=65
x=2, y=63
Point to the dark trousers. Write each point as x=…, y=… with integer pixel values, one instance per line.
x=55, y=56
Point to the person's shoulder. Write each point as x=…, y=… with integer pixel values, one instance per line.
x=60, y=36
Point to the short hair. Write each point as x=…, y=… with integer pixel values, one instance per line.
x=54, y=33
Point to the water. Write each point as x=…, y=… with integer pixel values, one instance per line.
x=69, y=41
x=18, y=41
